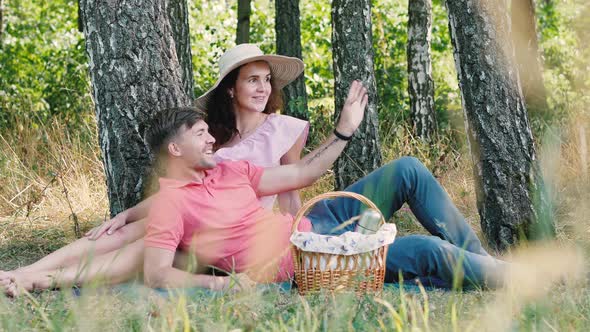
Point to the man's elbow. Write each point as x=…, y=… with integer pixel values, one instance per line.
x=153, y=278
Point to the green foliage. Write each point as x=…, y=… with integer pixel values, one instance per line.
x=316, y=43
x=262, y=23
x=447, y=97
x=42, y=64
x=213, y=30
x=389, y=45
x=565, y=55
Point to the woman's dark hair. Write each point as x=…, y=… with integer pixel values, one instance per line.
x=220, y=113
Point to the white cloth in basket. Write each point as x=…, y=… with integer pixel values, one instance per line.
x=349, y=243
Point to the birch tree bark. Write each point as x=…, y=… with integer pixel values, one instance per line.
x=178, y=16
x=1, y=20
x=524, y=35
x=509, y=187
x=420, y=82
x=352, y=53
x=243, y=28
x=80, y=23
x=288, y=30
x=134, y=71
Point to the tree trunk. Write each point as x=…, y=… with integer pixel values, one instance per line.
x=178, y=16
x=420, y=82
x=1, y=20
x=80, y=23
x=134, y=71
x=288, y=32
x=352, y=53
x=509, y=187
x=243, y=30
x=524, y=35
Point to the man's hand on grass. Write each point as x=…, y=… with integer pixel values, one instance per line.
x=239, y=282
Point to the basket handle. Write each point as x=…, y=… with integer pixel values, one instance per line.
x=332, y=194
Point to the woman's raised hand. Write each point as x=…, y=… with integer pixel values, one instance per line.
x=353, y=110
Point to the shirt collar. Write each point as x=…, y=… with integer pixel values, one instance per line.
x=174, y=183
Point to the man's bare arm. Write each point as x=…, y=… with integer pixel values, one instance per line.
x=159, y=273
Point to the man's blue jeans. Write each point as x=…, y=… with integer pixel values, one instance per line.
x=453, y=252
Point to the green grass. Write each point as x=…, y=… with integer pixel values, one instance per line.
x=138, y=308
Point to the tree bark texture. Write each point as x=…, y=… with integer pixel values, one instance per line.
x=178, y=16
x=352, y=53
x=243, y=29
x=288, y=30
x=1, y=20
x=134, y=71
x=524, y=34
x=420, y=82
x=80, y=23
x=509, y=187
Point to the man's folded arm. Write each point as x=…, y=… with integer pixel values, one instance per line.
x=159, y=273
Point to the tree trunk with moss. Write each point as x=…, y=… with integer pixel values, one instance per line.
x=352, y=53
x=524, y=35
x=288, y=30
x=243, y=28
x=134, y=71
x=420, y=82
x=509, y=186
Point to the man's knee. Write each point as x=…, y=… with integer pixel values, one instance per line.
x=407, y=163
x=432, y=251
x=418, y=254
x=404, y=165
x=404, y=168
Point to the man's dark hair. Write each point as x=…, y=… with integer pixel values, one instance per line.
x=165, y=124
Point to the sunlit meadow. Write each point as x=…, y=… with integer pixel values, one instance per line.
x=52, y=178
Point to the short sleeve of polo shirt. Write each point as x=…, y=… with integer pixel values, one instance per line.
x=165, y=227
x=253, y=172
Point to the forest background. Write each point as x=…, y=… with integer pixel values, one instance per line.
x=53, y=177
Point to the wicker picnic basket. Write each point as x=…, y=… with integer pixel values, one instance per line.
x=359, y=273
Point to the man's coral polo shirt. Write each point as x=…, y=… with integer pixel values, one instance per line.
x=222, y=221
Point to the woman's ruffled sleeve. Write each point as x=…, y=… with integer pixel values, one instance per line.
x=290, y=129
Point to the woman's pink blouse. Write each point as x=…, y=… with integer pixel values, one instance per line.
x=265, y=146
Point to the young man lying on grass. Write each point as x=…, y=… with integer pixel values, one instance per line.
x=212, y=211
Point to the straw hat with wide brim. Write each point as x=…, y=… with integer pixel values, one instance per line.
x=283, y=69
